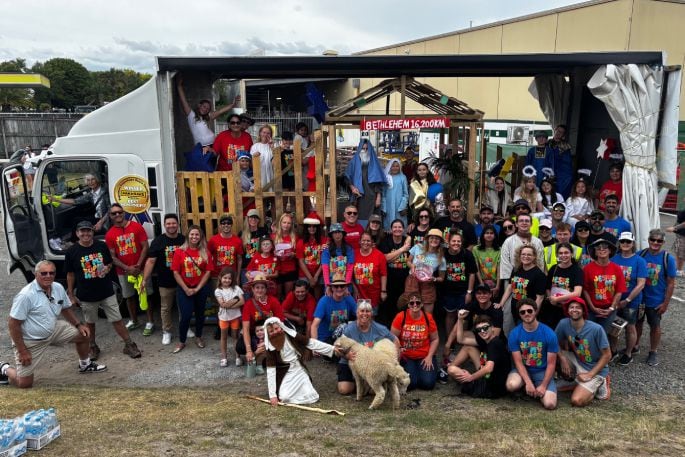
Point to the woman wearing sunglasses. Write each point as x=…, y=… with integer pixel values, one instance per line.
x=418, y=335
x=581, y=235
x=508, y=229
x=421, y=225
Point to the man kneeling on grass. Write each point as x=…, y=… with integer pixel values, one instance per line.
x=534, y=348
x=34, y=325
x=585, y=353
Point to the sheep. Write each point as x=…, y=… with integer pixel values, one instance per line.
x=377, y=368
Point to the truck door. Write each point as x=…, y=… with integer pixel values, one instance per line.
x=22, y=226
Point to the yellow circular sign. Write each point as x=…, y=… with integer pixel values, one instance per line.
x=132, y=193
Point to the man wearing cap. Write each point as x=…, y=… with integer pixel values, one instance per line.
x=597, y=230
x=334, y=310
x=87, y=264
x=603, y=285
x=486, y=217
x=558, y=216
x=584, y=354
x=537, y=155
x=563, y=235
x=559, y=159
x=246, y=176
x=161, y=255
x=614, y=223
x=545, y=233
x=635, y=272
x=661, y=273
x=229, y=143
x=521, y=206
x=245, y=122
x=353, y=229
x=456, y=220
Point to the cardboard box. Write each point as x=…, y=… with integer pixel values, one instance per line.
x=15, y=451
x=36, y=444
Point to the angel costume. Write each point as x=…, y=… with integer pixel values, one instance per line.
x=286, y=374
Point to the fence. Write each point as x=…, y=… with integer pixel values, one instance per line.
x=203, y=197
x=33, y=129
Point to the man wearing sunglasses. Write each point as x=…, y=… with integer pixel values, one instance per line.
x=597, y=229
x=34, y=326
x=334, y=310
x=352, y=228
x=534, y=348
x=229, y=143
x=661, y=273
x=489, y=355
x=585, y=354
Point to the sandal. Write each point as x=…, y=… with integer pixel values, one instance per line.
x=223, y=363
x=179, y=347
x=199, y=342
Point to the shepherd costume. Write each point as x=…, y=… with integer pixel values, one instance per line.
x=286, y=374
x=368, y=177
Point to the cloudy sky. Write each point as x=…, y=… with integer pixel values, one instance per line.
x=128, y=34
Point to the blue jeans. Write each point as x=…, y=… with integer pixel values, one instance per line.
x=419, y=377
x=189, y=305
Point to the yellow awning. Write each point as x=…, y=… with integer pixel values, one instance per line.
x=23, y=80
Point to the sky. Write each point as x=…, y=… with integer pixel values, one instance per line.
x=129, y=34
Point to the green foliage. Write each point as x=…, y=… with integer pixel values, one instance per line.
x=456, y=169
x=9, y=98
x=114, y=83
x=70, y=83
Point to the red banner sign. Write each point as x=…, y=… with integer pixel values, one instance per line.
x=409, y=123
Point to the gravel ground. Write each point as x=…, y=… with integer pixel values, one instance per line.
x=200, y=367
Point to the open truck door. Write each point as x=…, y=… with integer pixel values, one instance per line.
x=22, y=225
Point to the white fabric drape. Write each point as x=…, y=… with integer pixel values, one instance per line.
x=552, y=93
x=667, y=154
x=632, y=96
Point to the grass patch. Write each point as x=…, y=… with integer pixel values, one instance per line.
x=212, y=421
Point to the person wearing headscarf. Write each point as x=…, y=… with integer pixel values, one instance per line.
x=287, y=377
x=395, y=194
x=366, y=179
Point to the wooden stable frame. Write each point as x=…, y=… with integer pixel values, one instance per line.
x=226, y=196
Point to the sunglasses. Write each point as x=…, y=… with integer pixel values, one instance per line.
x=482, y=329
x=351, y=213
x=559, y=210
x=625, y=241
x=582, y=230
x=226, y=223
x=234, y=123
x=523, y=312
x=48, y=273
x=602, y=246
x=116, y=213
x=338, y=287
x=414, y=304
x=656, y=240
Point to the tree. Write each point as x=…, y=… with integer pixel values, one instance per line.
x=18, y=98
x=70, y=83
x=115, y=83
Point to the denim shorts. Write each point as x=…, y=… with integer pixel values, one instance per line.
x=453, y=302
x=537, y=377
x=653, y=317
x=629, y=314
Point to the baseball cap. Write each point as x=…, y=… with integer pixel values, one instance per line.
x=626, y=236
x=546, y=223
x=253, y=213
x=84, y=225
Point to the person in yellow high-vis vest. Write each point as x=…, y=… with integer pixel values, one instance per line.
x=563, y=236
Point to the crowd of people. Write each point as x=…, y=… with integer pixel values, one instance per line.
x=526, y=297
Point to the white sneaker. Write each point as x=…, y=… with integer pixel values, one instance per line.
x=238, y=361
x=680, y=273
x=190, y=334
x=166, y=338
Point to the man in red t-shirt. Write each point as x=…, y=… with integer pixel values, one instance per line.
x=127, y=242
x=226, y=248
x=604, y=283
x=299, y=306
x=229, y=143
x=614, y=186
x=353, y=229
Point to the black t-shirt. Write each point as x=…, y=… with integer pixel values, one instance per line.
x=459, y=267
x=563, y=278
x=550, y=242
x=417, y=236
x=496, y=352
x=467, y=230
x=399, y=267
x=253, y=246
x=162, y=248
x=526, y=284
x=496, y=315
x=288, y=180
x=86, y=263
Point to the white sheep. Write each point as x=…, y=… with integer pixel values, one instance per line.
x=378, y=368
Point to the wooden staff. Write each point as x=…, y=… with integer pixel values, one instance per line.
x=306, y=408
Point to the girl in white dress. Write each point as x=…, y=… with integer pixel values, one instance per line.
x=579, y=204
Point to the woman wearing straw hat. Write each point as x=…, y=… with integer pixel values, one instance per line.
x=427, y=266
